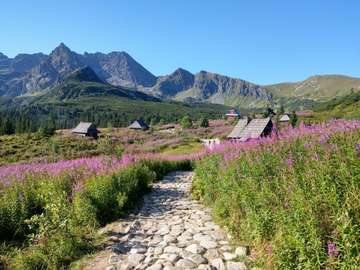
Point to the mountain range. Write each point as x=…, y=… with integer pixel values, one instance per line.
x=84, y=82
x=37, y=74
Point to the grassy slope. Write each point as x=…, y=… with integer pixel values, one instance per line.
x=346, y=107
x=341, y=107
x=318, y=88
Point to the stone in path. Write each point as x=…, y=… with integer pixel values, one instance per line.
x=171, y=231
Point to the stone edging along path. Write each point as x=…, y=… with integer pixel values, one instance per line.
x=171, y=231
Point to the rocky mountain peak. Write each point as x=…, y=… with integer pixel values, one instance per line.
x=3, y=56
x=64, y=60
x=84, y=74
x=61, y=49
x=182, y=72
x=125, y=71
x=169, y=85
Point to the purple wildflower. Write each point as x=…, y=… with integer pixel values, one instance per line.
x=357, y=148
x=289, y=162
x=324, y=138
x=286, y=205
x=332, y=249
x=307, y=145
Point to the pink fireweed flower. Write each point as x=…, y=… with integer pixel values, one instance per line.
x=307, y=145
x=357, y=148
x=286, y=205
x=315, y=156
x=289, y=162
x=78, y=186
x=332, y=249
x=269, y=249
x=324, y=138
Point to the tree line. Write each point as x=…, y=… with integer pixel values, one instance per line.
x=46, y=119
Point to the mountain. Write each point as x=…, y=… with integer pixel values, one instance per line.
x=84, y=96
x=36, y=74
x=314, y=89
x=26, y=74
x=170, y=85
x=119, y=68
x=209, y=87
x=84, y=82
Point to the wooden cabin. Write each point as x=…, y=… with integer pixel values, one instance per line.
x=239, y=127
x=86, y=129
x=255, y=129
x=284, y=120
x=232, y=115
x=139, y=124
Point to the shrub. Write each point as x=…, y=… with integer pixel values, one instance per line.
x=107, y=197
x=186, y=122
x=203, y=122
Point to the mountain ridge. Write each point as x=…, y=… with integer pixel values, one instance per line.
x=84, y=82
x=117, y=68
x=26, y=74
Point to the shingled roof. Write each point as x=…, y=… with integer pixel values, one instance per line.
x=284, y=118
x=239, y=127
x=83, y=127
x=139, y=124
x=255, y=128
x=233, y=113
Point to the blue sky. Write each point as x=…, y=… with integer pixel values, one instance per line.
x=261, y=41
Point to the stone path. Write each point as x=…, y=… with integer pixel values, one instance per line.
x=171, y=231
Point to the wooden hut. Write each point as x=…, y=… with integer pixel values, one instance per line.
x=86, y=129
x=139, y=124
x=284, y=120
x=239, y=127
x=232, y=115
x=256, y=128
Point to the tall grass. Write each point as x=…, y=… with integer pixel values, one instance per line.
x=296, y=202
x=53, y=218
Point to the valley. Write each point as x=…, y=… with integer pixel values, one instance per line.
x=72, y=200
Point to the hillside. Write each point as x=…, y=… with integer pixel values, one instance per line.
x=316, y=88
x=83, y=96
x=341, y=107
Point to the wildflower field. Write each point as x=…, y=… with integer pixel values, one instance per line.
x=49, y=212
x=294, y=197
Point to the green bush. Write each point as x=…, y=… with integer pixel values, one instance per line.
x=296, y=203
x=186, y=122
x=203, y=122
x=107, y=197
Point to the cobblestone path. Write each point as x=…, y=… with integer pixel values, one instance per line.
x=171, y=231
